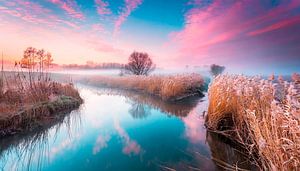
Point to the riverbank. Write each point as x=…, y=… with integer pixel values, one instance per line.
x=30, y=117
x=168, y=88
x=28, y=101
x=261, y=115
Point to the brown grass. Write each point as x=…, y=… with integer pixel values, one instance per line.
x=262, y=115
x=173, y=87
x=24, y=100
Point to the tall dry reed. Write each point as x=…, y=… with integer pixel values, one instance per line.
x=21, y=89
x=262, y=115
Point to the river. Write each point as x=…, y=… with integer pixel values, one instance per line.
x=122, y=131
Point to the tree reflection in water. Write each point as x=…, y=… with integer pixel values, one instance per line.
x=139, y=110
x=30, y=150
x=141, y=103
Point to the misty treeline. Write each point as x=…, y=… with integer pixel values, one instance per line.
x=94, y=65
x=139, y=63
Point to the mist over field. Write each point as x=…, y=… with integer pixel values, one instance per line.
x=149, y=85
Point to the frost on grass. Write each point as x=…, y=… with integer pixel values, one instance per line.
x=173, y=87
x=28, y=94
x=262, y=115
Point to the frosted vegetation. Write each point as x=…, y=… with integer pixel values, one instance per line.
x=174, y=87
x=261, y=115
x=29, y=93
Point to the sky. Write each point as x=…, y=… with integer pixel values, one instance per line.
x=246, y=36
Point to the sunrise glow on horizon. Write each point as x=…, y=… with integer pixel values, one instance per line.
x=259, y=35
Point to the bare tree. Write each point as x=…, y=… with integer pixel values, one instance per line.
x=48, y=60
x=33, y=57
x=28, y=60
x=139, y=64
x=216, y=70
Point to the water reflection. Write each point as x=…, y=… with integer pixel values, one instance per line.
x=140, y=101
x=130, y=146
x=139, y=110
x=101, y=143
x=225, y=156
x=194, y=123
x=30, y=151
x=108, y=133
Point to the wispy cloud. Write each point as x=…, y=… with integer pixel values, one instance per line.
x=70, y=7
x=102, y=7
x=130, y=5
x=279, y=25
x=27, y=11
x=33, y=12
x=223, y=32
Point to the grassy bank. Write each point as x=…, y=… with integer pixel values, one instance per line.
x=261, y=115
x=29, y=99
x=172, y=88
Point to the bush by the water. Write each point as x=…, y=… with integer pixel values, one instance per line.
x=262, y=115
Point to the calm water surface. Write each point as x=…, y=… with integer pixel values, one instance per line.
x=120, y=131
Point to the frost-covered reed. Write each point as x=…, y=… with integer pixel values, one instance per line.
x=26, y=101
x=173, y=87
x=262, y=115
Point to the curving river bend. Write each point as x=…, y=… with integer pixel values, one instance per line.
x=122, y=131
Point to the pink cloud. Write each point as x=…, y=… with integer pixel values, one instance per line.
x=219, y=32
x=70, y=7
x=27, y=11
x=10, y=12
x=130, y=5
x=285, y=23
x=34, y=13
x=102, y=7
x=27, y=23
x=67, y=45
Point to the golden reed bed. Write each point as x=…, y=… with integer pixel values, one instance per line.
x=262, y=115
x=173, y=87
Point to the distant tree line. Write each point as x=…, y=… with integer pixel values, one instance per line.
x=93, y=65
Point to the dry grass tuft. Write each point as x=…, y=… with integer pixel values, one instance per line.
x=262, y=115
x=173, y=87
